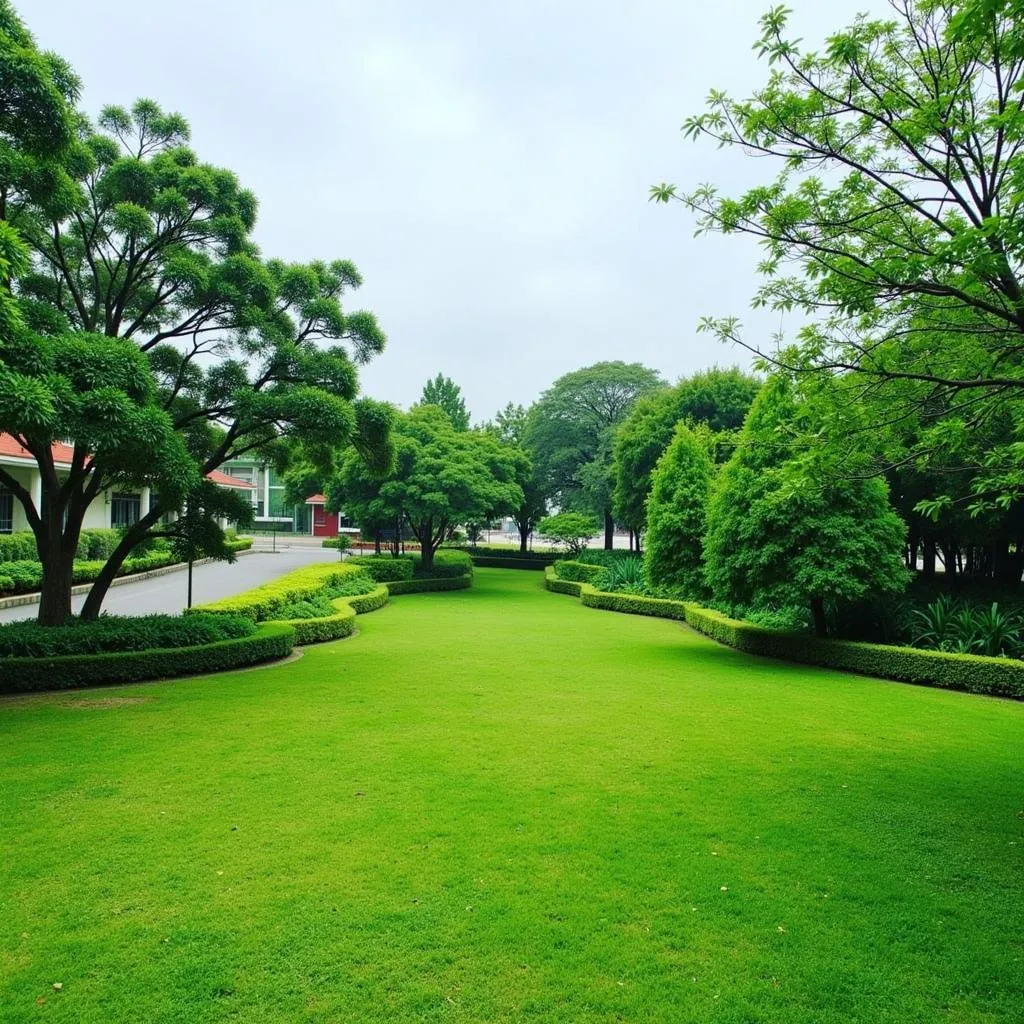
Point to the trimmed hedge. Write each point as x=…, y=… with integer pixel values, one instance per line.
x=384, y=568
x=265, y=602
x=580, y=572
x=20, y=547
x=343, y=622
x=425, y=585
x=971, y=673
x=28, y=675
x=500, y=562
x=448, y=563
x=117, y=633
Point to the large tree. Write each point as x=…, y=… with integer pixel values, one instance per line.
x=894, y=219
x=441, y=478
x=444, y=392
x=718, y=397
x=156, y=339
x=571, y=432
x=509, y=427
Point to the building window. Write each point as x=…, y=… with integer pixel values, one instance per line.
x=124, y=510
x=6, y=511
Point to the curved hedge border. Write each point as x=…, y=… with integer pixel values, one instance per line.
x=271, y=640
x=971, y=673
x=342, y=623
x=501, y=562
x=430, y=584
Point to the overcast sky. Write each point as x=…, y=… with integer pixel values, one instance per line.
x=485, y=165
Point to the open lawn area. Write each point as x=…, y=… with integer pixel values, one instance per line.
x=498, y=805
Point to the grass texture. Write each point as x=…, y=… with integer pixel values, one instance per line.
x=497, y=805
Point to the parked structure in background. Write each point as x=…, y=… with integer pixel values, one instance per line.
x=109, y=509
x=274, y=514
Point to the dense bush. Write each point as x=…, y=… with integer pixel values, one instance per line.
x=602, y=557
x=27, y=639
x=503, y=562
x=384, y=568
x=626, y=575
x=25, y=675
x=340, y=543
x=19, y=547
x=578, y=571
x=428, y=584
x=448, y=563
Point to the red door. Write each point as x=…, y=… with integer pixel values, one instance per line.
x=325, y=524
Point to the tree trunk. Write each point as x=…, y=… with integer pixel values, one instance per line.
x=55, y=596
x=524, y=535
x=818, y=615
x=98, y=592
x=376, y=542
x=427, y=545
x=609, y=531
x=928, y=559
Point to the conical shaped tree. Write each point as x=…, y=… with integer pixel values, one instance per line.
x=676, y=512
x=787, y=530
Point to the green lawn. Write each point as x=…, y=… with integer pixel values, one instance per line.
x=498, y=805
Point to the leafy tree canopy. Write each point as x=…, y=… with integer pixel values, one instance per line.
x=784, y=531
x=573, y=529
x=720, y=398
x=571, y=431
x=444, y=392
x=894, y=220
x=442, y=478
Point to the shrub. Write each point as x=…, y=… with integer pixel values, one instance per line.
x=581, y=572
x=599, y=556
x=25, y=675
x=27, y=639
x=265, y=602
x=318, y=607
x=499, y=562
x=97, y=544
x=17, y=547
x=340, y=543
x=384, y=568
x=573, y=529
x=428, y=584
x=625, y=575
x=447, y=564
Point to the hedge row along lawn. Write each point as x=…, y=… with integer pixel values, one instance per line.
x=500, y=806
x=999, y=677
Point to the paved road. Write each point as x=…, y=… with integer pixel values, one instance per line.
x=210, y=582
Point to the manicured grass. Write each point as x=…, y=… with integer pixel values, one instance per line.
x=498, y=805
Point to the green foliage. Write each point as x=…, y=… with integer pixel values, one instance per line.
x=27, y=639
x=716, y=397
x=338, y=618
x=383, y=568
x=677, y=513
x=570, y=432
x=626, y=575
x=581, y=572
x=426, y=585
x=443, y=392
x=1001, y=677
x=573, y=529
x=949, y=624
x=267, y=601
x=27, y=576
x=892, y=225
x=27, y=675
x=785, y=531
x=21, y=547
x=441, y=477
x=447, y=563
x=316, y=607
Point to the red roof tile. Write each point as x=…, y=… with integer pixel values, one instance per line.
x=316, y=499
x=228, y=481
x=62, y=453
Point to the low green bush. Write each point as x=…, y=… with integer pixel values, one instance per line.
x=1002, y=677
x=27, y=639
x=308, y=583
x=384, y=568
x=238, y=543
x=97, y=544
x=425, y=585
x=18, y=547
x=448, y=563
x=579, y=572
x=340, y=622
x=26, y=675
x=498, y=562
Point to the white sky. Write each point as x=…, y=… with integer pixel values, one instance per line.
x=485, y=165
